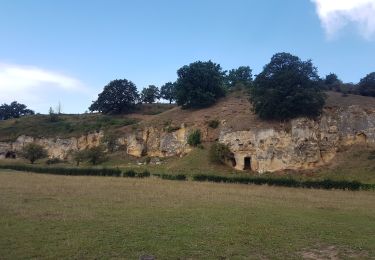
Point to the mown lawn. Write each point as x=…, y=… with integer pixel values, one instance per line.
x=46, y=216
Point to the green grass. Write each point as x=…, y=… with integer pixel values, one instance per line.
x=67, y=126
x=45, y=216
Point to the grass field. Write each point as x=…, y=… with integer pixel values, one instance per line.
x=45, y=216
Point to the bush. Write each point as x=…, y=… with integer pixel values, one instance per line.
x=54, y=161
x=95, y=155
x=194, y=138
x=371, y=155
x=219, y=153
x=33, y=152
x=79, y=156
x=178, y=177
x=213, y=123
x=129, y=173
x=143, y=174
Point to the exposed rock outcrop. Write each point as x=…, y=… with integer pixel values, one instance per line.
x=307, y=144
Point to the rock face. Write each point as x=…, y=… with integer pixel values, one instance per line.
x=306, y=145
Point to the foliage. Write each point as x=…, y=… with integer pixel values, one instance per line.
x=332, y=79
x=287, y=182
x=371, y=155
x=199, y=84
x=219, y=153
x=54, y=160
x=194, y=138
x=177, y=177
x=14, y=110
x=213, y=123
x=110, y=140
x=96, y=154
x=168, y=92
x=119, y=96
x=287, y=88
x=33, y=152
x=150, y=94
x=79, y=156
x=242, y=75
x=367, y=85
x=52, y=116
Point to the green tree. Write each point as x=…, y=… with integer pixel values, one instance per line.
x=199, y=84
x=194, y=138
x=367, y=85
x=219, y=153
x=14, y=110
x=79, y=156
x=150, y=94
x=287, y=88
x=332, y=79
x=168, y=92
x=119, y=96
x=95, y=154
x=241, y=76
x=33, y=152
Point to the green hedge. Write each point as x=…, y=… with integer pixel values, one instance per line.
x=288, y=182
x=178, y=177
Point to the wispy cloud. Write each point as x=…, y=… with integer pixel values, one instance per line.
x=336, y=14
x=34, y=86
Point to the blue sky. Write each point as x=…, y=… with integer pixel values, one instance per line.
x=66, y=51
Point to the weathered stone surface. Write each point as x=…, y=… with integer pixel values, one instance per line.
x=308, y=144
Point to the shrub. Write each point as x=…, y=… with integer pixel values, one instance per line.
x=95, y=155
x=79, y=156
x=33, y=152
x=178, y=177
x=143, y=174
x=213, y=123
x=219, y=153
x=129, y=173
x=110, y=140
x=371, y=155
x=54, y=160
x=194, y=138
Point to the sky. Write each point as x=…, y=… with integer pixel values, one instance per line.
x=67, y=51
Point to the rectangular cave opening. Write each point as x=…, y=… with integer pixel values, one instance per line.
x=247, y=163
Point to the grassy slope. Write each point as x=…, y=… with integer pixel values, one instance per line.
x=45, y=216
x=74, y=125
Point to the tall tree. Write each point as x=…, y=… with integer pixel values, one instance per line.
x=119, y=96
x=14, y=110
x=150, y=94
x=168, y=92
x=367, y=85
x=199, y=84
x=287, y=88
x=242, y=75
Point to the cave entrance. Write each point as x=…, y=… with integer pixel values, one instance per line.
x=247, y=163
x=10, y=155
x=232, y=160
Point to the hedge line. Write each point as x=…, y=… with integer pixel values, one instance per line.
x=115, y=172
x=288, y=182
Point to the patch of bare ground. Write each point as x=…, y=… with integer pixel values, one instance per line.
x=333, y=253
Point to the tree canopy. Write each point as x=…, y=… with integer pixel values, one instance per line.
x=287, y=88
x=33, y=152
x=241, y=75
x=14, y=110
x=119, y=96
x=199, y=84
x=367, y=85
x=150, y=94
x=168, y=92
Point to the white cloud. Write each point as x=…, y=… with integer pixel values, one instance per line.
x=336, y=14
x=35, y=86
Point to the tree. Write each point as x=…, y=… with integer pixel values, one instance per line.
x=168, y=92
x=367, y=85
x=52, y=115
x=194, y=138
x=219, y=153
x=95, y=154
x=242, y=75
x=119, y=96
x=332, y=79
x=199, y=84
x=14, y=110
x=33, y=152
x=287, y=88
x=79, y=156
x=150, y=94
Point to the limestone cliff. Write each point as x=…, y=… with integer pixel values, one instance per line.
x=307, y=144
x=301, y=144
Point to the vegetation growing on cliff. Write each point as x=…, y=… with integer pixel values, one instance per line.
x=287, y=88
